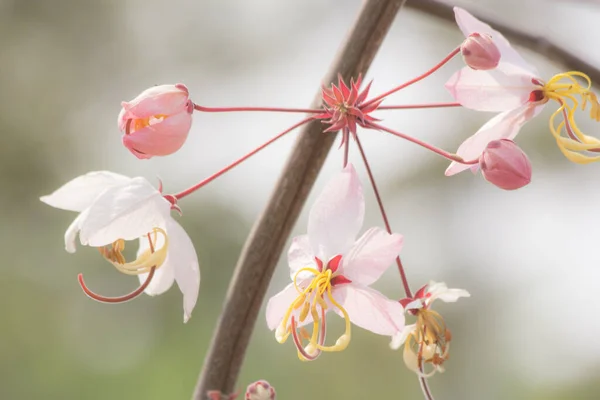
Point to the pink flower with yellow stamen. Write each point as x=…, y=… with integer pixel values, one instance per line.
x=331, y=271
x=516, y=90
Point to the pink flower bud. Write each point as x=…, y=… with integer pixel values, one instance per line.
x=260, y=390
x=505, y=165
x=480, y=52
x=157, y=122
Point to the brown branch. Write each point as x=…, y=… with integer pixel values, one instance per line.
x=535, y=43
x=269, y=234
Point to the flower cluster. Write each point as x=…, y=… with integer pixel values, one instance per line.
x=331, y=267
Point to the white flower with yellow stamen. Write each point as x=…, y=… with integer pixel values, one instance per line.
x=516, y=90
x=332, y=271
x=427, y=342
x=114, y=209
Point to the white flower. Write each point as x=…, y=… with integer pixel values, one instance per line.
x=113, y=209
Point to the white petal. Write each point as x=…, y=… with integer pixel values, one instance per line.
x=337, y=215
x=399, y=338
x=279, y=304
x=300, y=256
x=124, y=212
x=164, y=276
x=72, y=231
x=439, y=290
x=505, y=125
x=79, y=193
x=490, y=90
x=469, y=24
x=369, y=309
x=181, y=256
x=452, y=295
x=371, y=255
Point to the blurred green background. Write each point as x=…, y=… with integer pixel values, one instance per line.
x=529, y=258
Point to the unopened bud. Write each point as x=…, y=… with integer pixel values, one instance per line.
x=505, y=165
x=260, y=390
x=157, y=122
x=480, y=52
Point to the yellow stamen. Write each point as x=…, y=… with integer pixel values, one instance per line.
x=566, y=94
x=429, y=343
x=142, y=123
x=307, y=301
x=146, y=260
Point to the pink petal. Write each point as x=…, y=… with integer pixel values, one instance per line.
x=505, y=125
x=300, y=255
x=371, y=255
x=490, y=90
x=399, y=338
x=158, y=100
x=279, y=305
x=369, y=309
x=160, y=139
x=510, y=61
x=337, y=215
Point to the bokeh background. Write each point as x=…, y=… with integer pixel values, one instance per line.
x=529, y=258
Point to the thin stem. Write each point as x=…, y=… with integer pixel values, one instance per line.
x=422, y=380
x=415, y=80
x=119, y=299
x=198, y=107
x=419, y=106
x=443, y=153
x=346, y=139
x=425, y=388
x=214, y=176
x=383, y=214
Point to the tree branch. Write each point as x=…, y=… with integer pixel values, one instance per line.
x=270, y=232
x=539, y=44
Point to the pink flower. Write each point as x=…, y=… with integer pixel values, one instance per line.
x=157, y=122
x=505, y=165
x=480, y=52
x=515, y=90
x=331, y=271
x=427, y=342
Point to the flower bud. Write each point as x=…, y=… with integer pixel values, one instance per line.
x=505, y=165
x=480, y=52
x=157, y=122
x=260, y=390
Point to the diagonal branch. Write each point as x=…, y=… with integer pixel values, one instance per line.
x=535, y=43
x=269, y=234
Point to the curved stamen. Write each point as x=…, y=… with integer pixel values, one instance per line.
x=119, y=299
x=343, y=340
x=318, y=337
x=145, y=261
